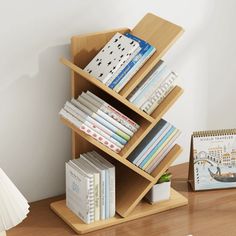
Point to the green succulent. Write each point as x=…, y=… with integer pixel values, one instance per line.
x=166, y=177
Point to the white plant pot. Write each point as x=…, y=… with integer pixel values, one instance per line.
x=159, y=192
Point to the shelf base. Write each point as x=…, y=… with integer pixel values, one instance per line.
x=142, y=209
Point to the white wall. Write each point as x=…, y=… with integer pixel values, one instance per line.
x=33, y=85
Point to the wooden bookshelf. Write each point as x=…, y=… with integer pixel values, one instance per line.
x=132, y=182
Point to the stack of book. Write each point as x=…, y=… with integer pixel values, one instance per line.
x=155, y=146
x=153, y=88
x=100, y=120
x=90, y=187
x=119, y=60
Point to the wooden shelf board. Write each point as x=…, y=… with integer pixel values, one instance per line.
x=158, y=113
x=142, y=209
x=106, y=89
x=131, y=201
x=107, y=150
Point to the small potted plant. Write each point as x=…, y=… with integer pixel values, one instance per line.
x=161, y=190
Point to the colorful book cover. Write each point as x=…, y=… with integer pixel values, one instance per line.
x=214, y=159
x=111, y=57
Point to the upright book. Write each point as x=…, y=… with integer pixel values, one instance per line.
x=213, y=159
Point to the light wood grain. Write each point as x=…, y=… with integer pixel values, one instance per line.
x=143, y=209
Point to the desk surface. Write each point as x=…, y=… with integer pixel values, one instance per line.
x=208, y=213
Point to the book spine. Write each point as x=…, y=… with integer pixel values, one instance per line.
x=124, y=59
x=133, y=71
x=155, y=149
x=96, y=197
x=112, y=194
x=151, y=87
x=137, y=51
x=118, y=113
x=93, y=127
x=161, y=146
x=93, y=121
x=101, y=120
x=120, y=127
x=105, y=116
x=151, y=144
x=128, y=67
x=159, y=157
x=159, y=94
x=144, y=83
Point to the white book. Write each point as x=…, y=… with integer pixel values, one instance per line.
x=104, y=115
x=96, y=177
x=133, y=71
x=100, y=119
x=79, y=193
x=144, y=83
x=93, y=121
x=111, y=57
x=151, y=87
x=103, y=179
x=72, y=110
x=112, y=184
x=132, y=125
x=159, y=94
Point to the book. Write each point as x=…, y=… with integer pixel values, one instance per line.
x=96, y=123
x=100, y=119
x=161, y=144
x=111, y=57
x=88, y=131
x=111, y=169
x=72, y=110
x=144, y=83
x=151, y=87
x=142, y=148
x=114, y=113
x=213, y=159
x=159, y=94
x=102, y=171
x=160, y=156
x=89, y=169
x=109, y=119
x=119, y=76
x=79, y=193
x=127, y=75
x=155, y=140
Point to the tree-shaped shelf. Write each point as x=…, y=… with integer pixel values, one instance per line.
x=132, y=183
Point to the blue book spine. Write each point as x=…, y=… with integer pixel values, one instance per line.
x=156, y=147
x=144, y=48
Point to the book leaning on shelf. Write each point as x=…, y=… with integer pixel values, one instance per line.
x=118, y=61
x=153, y=88
x=155, y=146
x=90, y=187
x=99, y=120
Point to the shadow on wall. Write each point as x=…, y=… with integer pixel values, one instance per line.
x=221, y=53
x=34, y=144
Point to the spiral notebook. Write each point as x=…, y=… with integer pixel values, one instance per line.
x=213, y=159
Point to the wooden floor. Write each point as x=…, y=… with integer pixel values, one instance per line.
x=209, y=213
